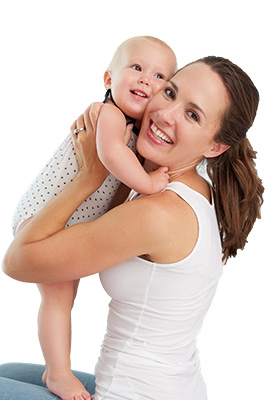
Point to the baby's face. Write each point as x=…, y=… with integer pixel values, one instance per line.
x=140, y=71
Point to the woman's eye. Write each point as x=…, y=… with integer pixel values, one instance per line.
x=193, y=116
x=159, y=76
x=169, y=93
x=136, y=67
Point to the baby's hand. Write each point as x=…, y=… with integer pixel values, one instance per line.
x=160, y=179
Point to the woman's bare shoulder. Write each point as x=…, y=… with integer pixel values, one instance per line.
x=172, y=225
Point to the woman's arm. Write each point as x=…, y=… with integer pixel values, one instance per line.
x=89, y=178
x=80, y=250
x=45, y=251
x=54, y=216
x=161, y=227
x=120, y=159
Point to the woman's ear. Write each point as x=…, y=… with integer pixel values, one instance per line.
x=216, y=150
x=107, y=79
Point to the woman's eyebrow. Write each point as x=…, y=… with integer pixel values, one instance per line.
x=196, y=107
x=175, y=87
x=191, y=104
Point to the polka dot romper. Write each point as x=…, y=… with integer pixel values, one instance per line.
x=57, y=173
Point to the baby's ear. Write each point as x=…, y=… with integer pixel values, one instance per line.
x=107, y=79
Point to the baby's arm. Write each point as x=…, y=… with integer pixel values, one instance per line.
x=119, y=159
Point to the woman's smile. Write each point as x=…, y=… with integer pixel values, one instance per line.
x=157, y=135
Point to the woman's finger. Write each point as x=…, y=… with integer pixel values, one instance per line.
x=93, y=113
x=73, y=126
x=90, y=129
x=77, y=128
x=128, y=133
x=84, y=139
x=80, y=122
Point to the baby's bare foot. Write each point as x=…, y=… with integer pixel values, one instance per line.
x=66, y=386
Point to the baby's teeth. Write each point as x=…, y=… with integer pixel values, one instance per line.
x=139, y=94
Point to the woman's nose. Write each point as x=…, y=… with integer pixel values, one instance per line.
x=168, y=115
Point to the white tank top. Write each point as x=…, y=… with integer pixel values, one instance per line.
x=156, y=312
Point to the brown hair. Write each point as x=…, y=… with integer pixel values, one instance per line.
x=237, y=188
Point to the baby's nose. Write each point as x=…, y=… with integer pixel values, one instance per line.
x=144, y=80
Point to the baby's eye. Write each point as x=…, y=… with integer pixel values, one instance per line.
x=169, y=93
x=136, y=67
x=159, y=76
x=193, y=116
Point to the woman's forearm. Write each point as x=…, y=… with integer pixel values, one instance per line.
x=48, y=221
x=54, y=216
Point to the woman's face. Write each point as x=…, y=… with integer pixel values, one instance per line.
x=181, y=121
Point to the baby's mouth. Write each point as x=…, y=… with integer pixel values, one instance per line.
x=139, y=93
x=160, y=135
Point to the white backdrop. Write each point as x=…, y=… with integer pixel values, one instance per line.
x=53, y=55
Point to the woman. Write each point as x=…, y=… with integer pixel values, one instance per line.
x=161, y=274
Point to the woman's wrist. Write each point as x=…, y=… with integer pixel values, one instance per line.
x=55, y=215
x=89, y=180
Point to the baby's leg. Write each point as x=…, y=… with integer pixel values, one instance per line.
x=54, y=324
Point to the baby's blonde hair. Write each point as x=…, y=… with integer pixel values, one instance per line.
x=120, y=48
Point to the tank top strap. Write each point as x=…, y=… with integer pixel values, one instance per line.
x=195, y=199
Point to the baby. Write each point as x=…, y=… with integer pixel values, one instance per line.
x=139, y=69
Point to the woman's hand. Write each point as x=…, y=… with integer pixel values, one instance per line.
x=85, y=143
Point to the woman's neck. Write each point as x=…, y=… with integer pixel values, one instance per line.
x=187, y=175
x=174, y=174
x=182, y=173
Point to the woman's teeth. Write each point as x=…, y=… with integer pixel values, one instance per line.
x=160, y=135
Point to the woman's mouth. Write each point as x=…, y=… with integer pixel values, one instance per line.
x=159, y=135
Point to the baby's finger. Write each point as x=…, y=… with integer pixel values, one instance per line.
x=163, y=169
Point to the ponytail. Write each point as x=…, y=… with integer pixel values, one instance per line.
x=237, y=188
x=238, y=195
